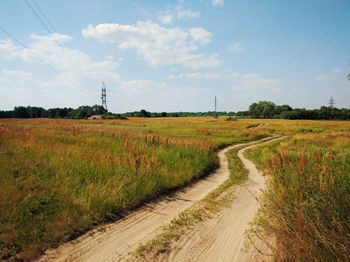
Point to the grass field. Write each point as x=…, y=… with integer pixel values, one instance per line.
x=306, y=207
x=59, y=178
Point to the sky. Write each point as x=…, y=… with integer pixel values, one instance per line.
x=174, y=55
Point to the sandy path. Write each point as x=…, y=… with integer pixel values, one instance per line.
x=114, y=241
x=222, y=238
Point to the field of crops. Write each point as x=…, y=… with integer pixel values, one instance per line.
x=59, y=178
x=306, y=207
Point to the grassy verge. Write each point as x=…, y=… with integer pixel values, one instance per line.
x=306, y=207
x=206, y=209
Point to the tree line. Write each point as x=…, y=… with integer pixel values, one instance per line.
x=84, y=112
x=144, y=113
x=268, y=109
x=39, y=112
x=261, y=109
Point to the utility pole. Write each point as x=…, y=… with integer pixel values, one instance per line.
x=104, y=96
x=216, y=103
x=331, y=102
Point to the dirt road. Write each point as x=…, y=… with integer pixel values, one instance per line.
x=223, y=238
x=114, y=241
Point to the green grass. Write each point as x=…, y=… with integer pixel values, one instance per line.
x=306, y=207
x=59, y=178
x=206, y=209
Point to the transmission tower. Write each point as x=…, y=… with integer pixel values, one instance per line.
x=216, y=104
x=104, y=96
x=331, y=102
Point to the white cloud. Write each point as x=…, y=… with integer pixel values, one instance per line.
x=196, y=75
x=323, y=77
x=7, y=50
x=178, y=12
x=331, y=75
x=156, y=44
x=52, y=38
x=187, y=14
x=235, y=47
x=159, y=96
x=139, y=86
x=238, y=81
x=337, y=70
x=217, y=3
x=75, y=73
x=166, y=18
x=255, y=81
x=66, y=61
x=15, y=73
x=200, y=34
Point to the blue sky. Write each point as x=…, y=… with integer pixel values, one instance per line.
x=175, y=55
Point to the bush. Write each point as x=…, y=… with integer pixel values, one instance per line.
x=113, y=116
x=231, y=118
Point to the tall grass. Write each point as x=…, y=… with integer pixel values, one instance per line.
x=58, y=178
x=306, y=210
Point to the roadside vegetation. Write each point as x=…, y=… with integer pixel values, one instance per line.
x=305, y=212
x=158, y=249
x=59, y=178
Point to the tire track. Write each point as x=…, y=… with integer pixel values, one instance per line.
x=113, y=242
x=223, y=238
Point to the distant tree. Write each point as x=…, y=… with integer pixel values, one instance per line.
x=290, y=114
x=63, y=112
x=85, y=112
x=20, y=112
x=35, y=112
x=279, y=109
x=254, y=110
x=242, y=113
x=6, y=114
x=79, y=113
x=52, y=112
x=143, y=113
x=110, y=115
x=326, y=112
x=262, y=109
x=98, y=110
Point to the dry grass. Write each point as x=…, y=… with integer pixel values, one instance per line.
x=159, y=248
x=306, y=207
x=59, y=178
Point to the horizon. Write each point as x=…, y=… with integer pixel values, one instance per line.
x=138, y=110
x=174, y=56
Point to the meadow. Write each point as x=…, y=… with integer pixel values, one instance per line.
x=59, y=178
x=305, y=212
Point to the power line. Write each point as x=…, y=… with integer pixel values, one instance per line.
x=24, y=47
x=53, y=30
x=37, y=16
x=43, y=14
